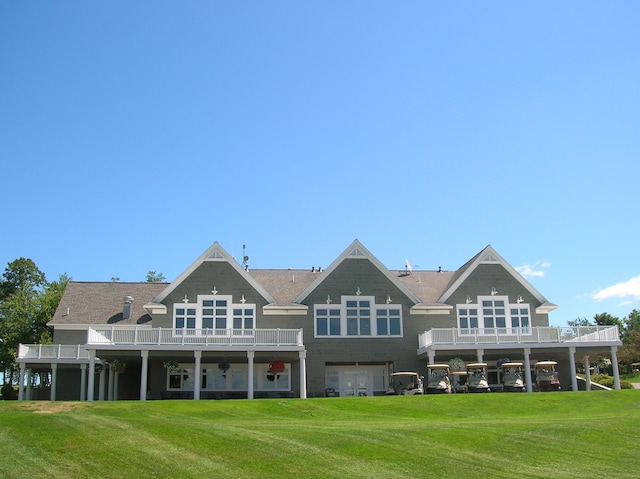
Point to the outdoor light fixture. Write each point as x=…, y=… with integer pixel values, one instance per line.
x=469, y=300
x=388, y=299
x=186, y=299
x=519, y=300
x=494, y=291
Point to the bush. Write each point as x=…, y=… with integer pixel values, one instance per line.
x=8, y=392
x=607, y=381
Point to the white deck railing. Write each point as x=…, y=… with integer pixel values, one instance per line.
x=132, y=335
x=52, y=351
x=538, y=334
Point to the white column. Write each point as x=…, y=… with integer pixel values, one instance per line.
x=54, y=376
x=29, y=379
x=197, y=379
x=527, y=369
x=480, y=353
x=432, y=357
x=21, y=382
x=103, y=381
x=83, y=382
x=587, y=372
x=143, y=374
x=614, y=365
x=116, y=382
x=572, y=365
x=92, y=374
x=110, y=385
x=303, y=374
x=250, y=356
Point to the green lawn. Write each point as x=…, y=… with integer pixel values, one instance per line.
x=550, y=435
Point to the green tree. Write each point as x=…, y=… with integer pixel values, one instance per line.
x=606, y=319
x=580, y=322
x=27, y=303
x=153, y=277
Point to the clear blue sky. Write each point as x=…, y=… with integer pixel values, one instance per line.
x=135, y=134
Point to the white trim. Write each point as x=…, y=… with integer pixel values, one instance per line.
x=357, y=251
x=214, y=253
x=490, y=256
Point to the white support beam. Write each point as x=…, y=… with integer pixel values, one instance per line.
x=21, y=381
x=303, y=374
x=92, y=374
x=614, y=364
x=527, y=369
x=250, y=357
x=197, y=370
x=587, y=372
x=54, y=380
x=572, y=365
x=144, y=368
x=83, y=382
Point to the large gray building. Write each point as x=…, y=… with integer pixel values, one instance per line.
x=221, y=330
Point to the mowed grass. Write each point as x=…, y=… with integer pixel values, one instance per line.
x=558, y=435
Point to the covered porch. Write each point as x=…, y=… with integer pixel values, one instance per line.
x=527, y=345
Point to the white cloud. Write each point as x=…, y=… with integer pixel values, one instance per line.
x=533, y=270
x=630, y=288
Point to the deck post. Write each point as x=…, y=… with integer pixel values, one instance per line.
x=303, y=374
x=250, y=356
x=144, y=369
x=21, y=382
x=614, y=365
x=197, y=374
x=587, y=372
x=92, y=374
x=54, y=380
x=572, y=365
x=83, y=382
x=527, y=369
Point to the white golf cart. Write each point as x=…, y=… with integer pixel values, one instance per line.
x=405, y=384
x=459, y=381
x=439, y=379
x=512, y=377
x=547, y=376
x=477, y=378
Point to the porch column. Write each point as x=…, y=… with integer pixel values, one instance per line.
x=197, y=370
x=116, y=383
x=92, y=374
x=480, y=354
x=614, y=365
x=527, y=369
x=21, y=382
x=29, y=379
x=432, y=357
x=83, y=382
x=103, y=380
x=110, y=385
x=143, y=374
x=587, y=372
x=572, y=365
x=303, y=374
x=250, y=356
x=54, y=376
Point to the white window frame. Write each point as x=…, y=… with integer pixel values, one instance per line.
x=496, y=312
x=344, y=316
x=227, y=315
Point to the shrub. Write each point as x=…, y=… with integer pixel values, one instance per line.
x=8, y=392
x=607, y=381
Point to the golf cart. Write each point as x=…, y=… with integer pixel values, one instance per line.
x=405, y=384
x=547, y=376
x=438, y=381
x=512, y=377
x=477, y=378
x=459, y=381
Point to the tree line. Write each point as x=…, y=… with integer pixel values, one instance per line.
x=27, y=303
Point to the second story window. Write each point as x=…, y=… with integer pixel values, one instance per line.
x=214, y=314
x=358, y=316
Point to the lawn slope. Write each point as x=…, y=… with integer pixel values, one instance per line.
x=559, y=435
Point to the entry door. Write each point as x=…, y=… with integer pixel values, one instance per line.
x=355, y=383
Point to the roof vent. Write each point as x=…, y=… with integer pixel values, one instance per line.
x=126, y=309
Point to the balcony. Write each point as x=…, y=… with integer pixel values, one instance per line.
x=131, y=337
x=57, y=352
x=567, y=336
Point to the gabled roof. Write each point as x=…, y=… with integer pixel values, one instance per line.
x=357, y=251
x=215, y=253
x=488, y=256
